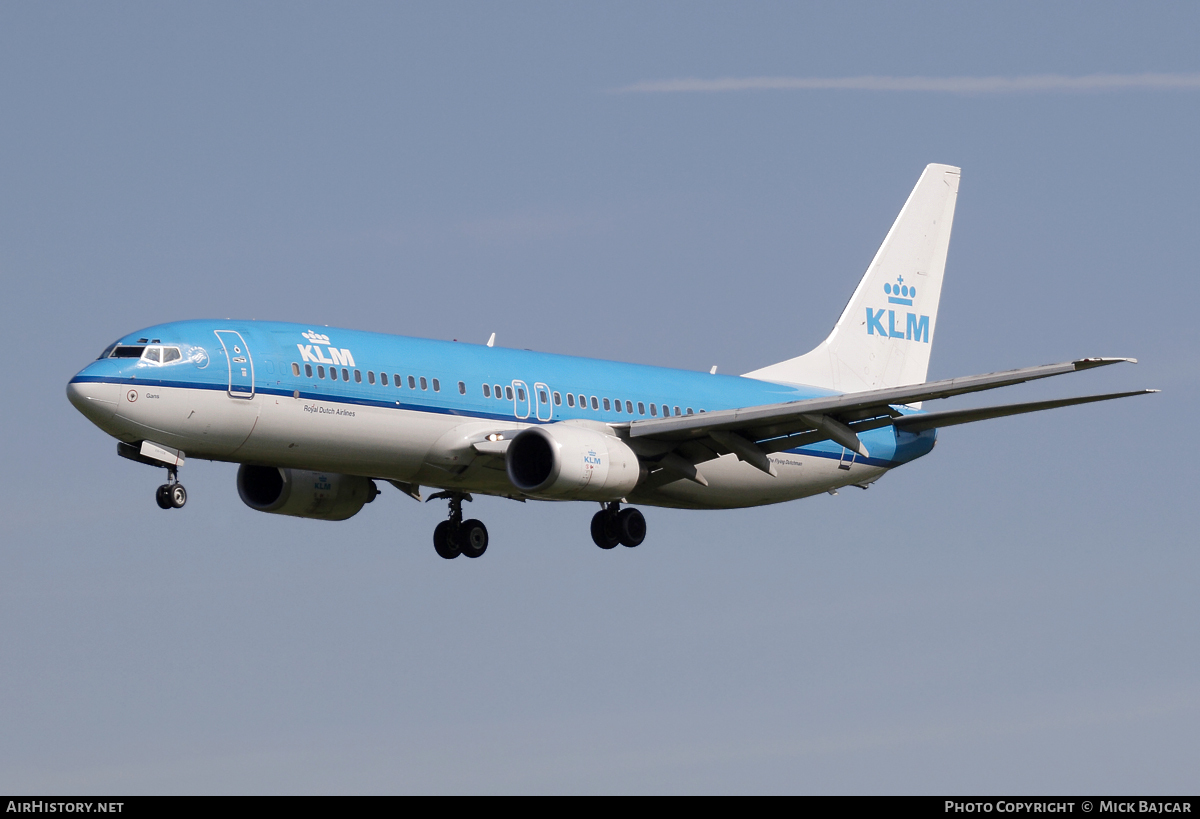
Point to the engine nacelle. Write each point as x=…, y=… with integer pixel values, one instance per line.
x=564, y=461
x=304, y=494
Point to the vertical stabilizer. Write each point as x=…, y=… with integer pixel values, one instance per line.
x=884, y=335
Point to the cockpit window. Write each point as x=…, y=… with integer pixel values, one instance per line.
x=126, y=351
x=155, y=354
x=158, y=355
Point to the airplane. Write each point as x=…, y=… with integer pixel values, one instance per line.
x=317, y=417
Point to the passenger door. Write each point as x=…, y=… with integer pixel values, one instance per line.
x=241, y=366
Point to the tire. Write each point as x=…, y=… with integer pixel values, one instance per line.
x=473, y=538
x=177, y=496
x=603, y=534
x=631, y=527
x=443, y=544
x=162, y=496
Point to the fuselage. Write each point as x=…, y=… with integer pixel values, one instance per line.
x=398, y=408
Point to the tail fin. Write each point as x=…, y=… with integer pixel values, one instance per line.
x=884, y=335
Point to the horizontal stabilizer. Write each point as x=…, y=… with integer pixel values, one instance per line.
x=949, y=418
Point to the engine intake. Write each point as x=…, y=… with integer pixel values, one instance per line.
x=304, y=494
x=563, y=461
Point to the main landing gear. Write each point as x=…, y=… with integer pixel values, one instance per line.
x=455, y=536
x=613, y=525
x=171, y=495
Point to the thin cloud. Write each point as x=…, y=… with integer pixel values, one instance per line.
x=1032, y=84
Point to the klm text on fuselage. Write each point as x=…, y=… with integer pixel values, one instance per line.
x=314, y=353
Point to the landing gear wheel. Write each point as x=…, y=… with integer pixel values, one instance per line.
x=604, y=534
x=445, y=545
x=177, y=496
x=472, y=537
x=454, y=537
x=163, y=496
x=631, y=527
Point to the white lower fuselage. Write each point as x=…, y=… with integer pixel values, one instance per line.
x=412, y=447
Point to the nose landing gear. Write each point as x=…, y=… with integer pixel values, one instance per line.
x=171, y=495
x=613, y=525
x=455, y=536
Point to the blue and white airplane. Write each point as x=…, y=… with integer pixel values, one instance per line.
x=316, y=417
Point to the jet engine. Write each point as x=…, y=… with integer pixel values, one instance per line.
x=304, y=494
x=569, y=462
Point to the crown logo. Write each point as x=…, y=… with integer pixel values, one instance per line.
x=900, y=293
x=316, y=338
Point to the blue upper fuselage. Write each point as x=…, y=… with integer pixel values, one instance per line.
x=355, y=367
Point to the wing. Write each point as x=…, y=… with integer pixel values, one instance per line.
x=678, y=443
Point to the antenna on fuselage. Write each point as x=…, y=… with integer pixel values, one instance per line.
x=492, y=340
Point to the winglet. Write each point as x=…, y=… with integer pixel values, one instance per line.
x=1088, y=363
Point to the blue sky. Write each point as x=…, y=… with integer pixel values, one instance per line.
x=1015, y=613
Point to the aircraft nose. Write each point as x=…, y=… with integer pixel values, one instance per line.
x=95, y=399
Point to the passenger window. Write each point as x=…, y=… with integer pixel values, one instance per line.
x=370, y=376
x=508, y=393
x=333, y=373
x=641, y=408
x=320, y=371
x=346, y=375
x=487, y=391
x=308, y=370
x=397, y=380
x=542, y=396
x=436, y=386
x=357, y=376
x=412, y=383
x=654, y=410
x=689, y=411
x=383, y=379
x=606, y=406
x=170, y=354
x=152, y=354
x=666, y=410
x=424, y=383
x=677, y=412
x=520, y=393
x=570, y=399
x=500, y=391
x=618, y=403
x=295, y=369
x=595, y=403
x=462, y=388
x=583, y=402
x=629, y=407
x=557, y=400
